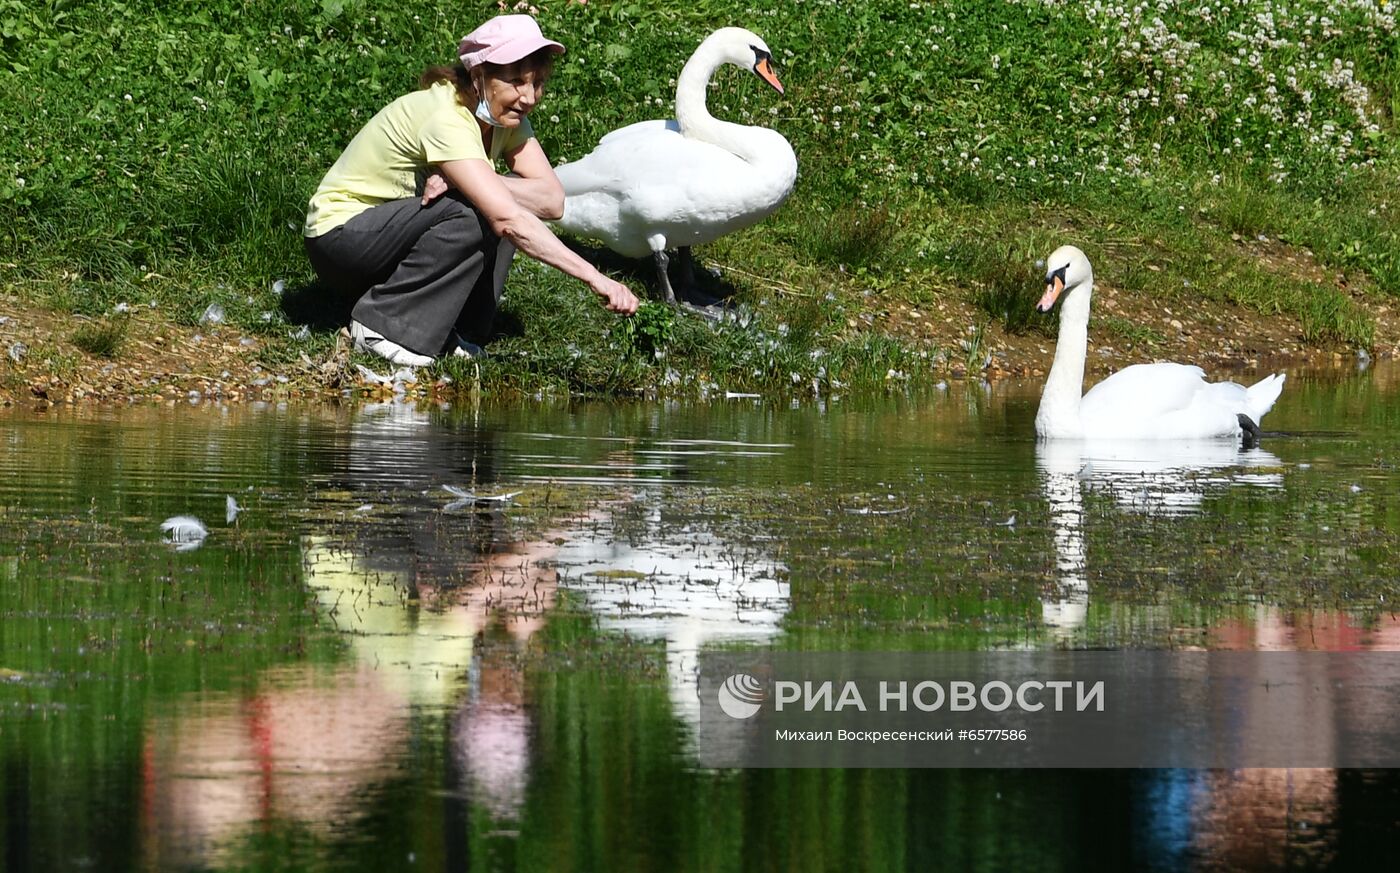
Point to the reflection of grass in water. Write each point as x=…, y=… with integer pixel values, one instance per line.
x=114, y=627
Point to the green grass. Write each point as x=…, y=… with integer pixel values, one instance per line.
x=101, y=338
x=1130, y=331
x=164, y=154
x=853, y=235
x=1005, y=282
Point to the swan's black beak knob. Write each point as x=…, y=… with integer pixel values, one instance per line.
x=763, y=66
x=1054, y=287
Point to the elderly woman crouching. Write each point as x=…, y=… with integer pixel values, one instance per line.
x=429, y=270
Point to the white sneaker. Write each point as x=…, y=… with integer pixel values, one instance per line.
x=371, y=341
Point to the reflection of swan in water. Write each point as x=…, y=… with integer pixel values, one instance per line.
x=673, y=581
x=1153, y=477
x=1059, y=477
x=679, y=583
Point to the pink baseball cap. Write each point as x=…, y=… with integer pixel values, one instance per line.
x=504, y=39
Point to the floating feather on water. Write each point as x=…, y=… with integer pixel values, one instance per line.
x=470, y=498
x=184, y=531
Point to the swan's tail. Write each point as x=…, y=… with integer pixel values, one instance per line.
x=1259, y=398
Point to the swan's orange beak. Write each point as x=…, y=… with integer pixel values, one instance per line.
x=1054, y=285
x=764, y=69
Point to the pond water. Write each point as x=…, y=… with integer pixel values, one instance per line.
x=364, y=669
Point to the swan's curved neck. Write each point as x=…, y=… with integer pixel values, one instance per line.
x=695, y=119
x=1059, y=401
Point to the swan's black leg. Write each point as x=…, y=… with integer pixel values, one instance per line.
x=687, y=270
x=690, y=294
x=663, y=280
x=1250, y=431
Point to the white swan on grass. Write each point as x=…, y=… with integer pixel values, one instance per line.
x=659, y=184
x=1143, y=401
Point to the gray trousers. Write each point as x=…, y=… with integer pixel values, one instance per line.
x=417, y=272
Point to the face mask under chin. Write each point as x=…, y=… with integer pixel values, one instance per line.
x=483, y=106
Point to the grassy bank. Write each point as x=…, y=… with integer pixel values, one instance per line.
x=1234, y=162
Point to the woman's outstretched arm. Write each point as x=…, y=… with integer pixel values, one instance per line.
x=487, y=191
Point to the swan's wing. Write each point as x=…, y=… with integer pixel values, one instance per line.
x=1228, y=394
x=1143, y=392
x=648, y=182
x=657, y=174
x=624, y=156
x=641, y=128
x=1162, y=401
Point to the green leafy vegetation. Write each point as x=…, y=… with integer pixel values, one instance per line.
x=166, y=153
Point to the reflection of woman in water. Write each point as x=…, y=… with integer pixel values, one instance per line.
x=307, y=746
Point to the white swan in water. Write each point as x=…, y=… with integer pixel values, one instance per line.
x=1144, y=401
x=658, y=184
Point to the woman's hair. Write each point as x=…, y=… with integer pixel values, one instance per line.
x=458, y=75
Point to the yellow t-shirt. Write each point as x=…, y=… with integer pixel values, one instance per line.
x=389, y=155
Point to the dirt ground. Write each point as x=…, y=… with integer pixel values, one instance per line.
x=1221, y=338
x=164, y=362
x=156, y=361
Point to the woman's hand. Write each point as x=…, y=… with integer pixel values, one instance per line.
x=617, y=297
x=434, y=187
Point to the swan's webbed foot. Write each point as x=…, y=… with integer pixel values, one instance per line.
x=1250, y=432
